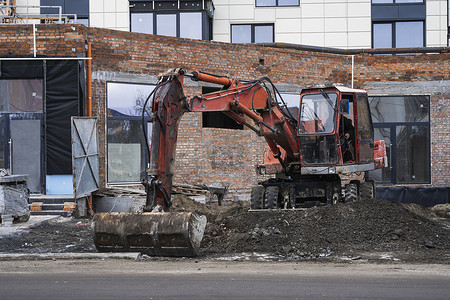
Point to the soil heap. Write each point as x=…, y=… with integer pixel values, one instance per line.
x=368, y=228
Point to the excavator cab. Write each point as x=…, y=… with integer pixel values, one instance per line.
x=335, y=127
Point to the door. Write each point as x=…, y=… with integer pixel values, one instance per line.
x=26, y=149
x=84, y=156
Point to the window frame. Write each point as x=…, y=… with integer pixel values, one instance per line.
x=122, y=118
x=394, y=32
x=252, y=31
x=276, y=4
x=398, y=3
x=393, y=126
x=206, y=33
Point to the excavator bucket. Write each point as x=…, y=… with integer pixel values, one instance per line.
x=153, y=233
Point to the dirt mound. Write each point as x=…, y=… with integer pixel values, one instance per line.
x=408, y=231
x=442, y=210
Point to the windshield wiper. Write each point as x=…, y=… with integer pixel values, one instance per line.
x=325, y=95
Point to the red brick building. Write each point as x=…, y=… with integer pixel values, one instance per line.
x=409, y=94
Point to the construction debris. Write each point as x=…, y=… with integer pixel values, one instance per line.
x=13, y=198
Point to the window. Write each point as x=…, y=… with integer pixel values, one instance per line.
x=291, y=99
x=395, y=1
x=185, y=25
x=398, y=34
x=382, y=35
x=317, y=113
x=79, y=8
x=166, y=24
x=142, y=22
x=126, y=153
x=191, y=25
x=185, y=19
x=252, y=33
x=262, y=3
x=403, y=122
x=409, y=34
x=21, y=96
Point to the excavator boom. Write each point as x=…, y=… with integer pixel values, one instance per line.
x=155, y=231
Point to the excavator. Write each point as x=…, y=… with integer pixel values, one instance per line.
x=309, y=148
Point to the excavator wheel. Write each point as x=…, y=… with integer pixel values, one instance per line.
x=257, y=197
x=271, y=196
x=351, y=192
x=367, y=190
x=155, y=234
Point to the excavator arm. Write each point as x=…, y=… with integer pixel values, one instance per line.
x=248, y=103
x=153, y=231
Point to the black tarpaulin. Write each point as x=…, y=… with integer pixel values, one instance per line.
x=62, y=99
x=21, y=69
x=425, y=196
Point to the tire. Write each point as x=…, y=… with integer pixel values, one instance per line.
x=271, y=197
x=351, y=193
x=257, y=197
x=367, y=190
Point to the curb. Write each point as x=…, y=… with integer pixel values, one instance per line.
x=67, y=256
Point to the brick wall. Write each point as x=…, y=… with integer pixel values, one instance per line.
x=207, y=155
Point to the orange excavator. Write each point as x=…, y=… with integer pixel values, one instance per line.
x=329, y=134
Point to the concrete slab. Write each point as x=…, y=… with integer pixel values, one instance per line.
x=24, y=226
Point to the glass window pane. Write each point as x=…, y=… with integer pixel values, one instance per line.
x=83, y=21
x=126, y=99
x=266, y=2
x=383, y=174
x=291, y=100
x=382, y=1
x=382, y=35
x=166, y=24
x=365, y=128
x=142, y=23
x=125, y=150
x=408, y=34
x=413, y=154
x=21, y=95
x=288, y=2
x=191, y=25
x=264, y=34
x=400, y=109
x=317, y=113
x=241, y=33
x=409, y=1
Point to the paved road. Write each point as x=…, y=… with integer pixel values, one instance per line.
x=118, y=279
